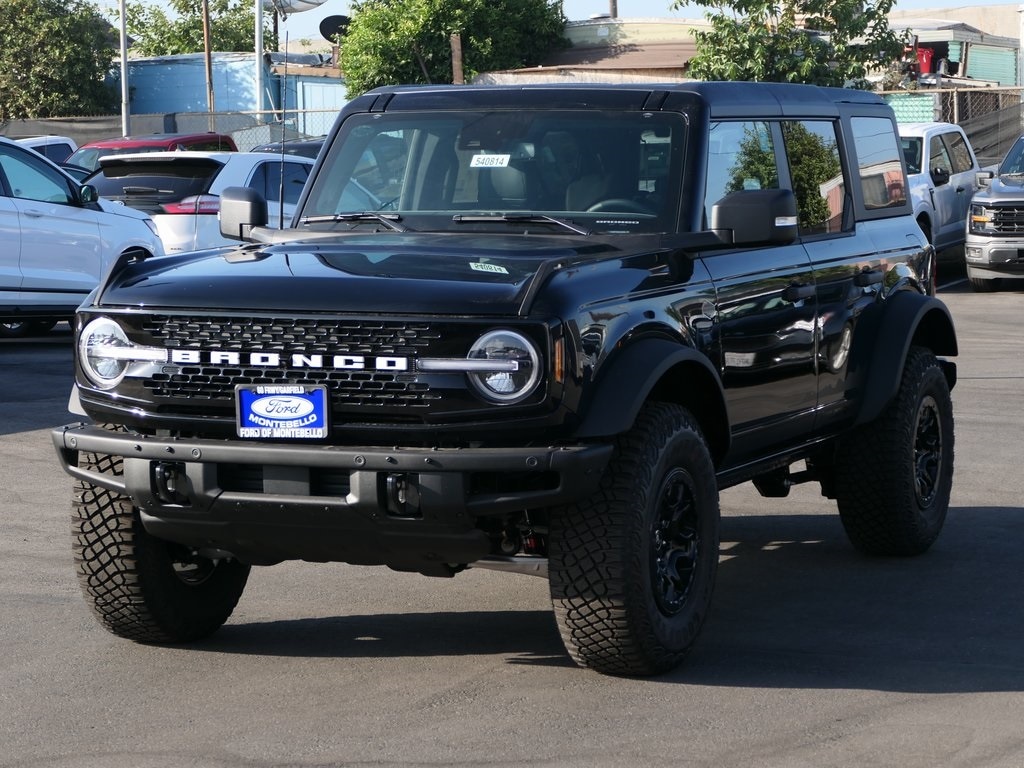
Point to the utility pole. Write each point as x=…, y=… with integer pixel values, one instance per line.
x=613, y=8
x=125, y=106
x=209, y=60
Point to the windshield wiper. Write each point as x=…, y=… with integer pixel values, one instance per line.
x=519, y=218
x=390, y=220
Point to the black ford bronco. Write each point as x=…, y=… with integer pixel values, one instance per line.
x=526, y=328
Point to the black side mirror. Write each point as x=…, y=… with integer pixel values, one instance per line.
x=241, y=209
x=940, y=176
x=756, y=217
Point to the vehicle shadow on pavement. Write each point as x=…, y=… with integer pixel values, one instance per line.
x=795, y=606
x=527, y=637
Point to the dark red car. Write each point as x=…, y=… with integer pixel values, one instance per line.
x=88, y=155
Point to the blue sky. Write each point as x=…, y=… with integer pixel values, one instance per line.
x=306, y=24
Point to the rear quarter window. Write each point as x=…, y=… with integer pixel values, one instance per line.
x=882, y=182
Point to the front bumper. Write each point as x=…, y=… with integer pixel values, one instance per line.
x=267, y=502
x=994, y=256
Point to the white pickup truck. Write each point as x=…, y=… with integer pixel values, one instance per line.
x=942, y=170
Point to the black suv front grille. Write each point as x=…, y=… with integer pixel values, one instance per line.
x=348, y=388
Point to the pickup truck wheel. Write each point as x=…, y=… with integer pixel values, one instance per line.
x=140, y=587
x=894, y=475
x=631, y=570
x=982, y=285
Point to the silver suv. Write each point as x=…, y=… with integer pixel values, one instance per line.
x=56, y=239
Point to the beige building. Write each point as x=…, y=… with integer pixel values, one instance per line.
x=966, y=42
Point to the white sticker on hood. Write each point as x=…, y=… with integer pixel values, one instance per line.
x=480, y=267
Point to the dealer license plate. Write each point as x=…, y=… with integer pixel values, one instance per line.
x=282, y=411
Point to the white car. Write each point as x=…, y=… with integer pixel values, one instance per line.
x=56, y=240
x=181, y=190
x=56, y=148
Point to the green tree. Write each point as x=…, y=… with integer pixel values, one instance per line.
x=823, y=42
x=390, y=42
x=232, y=24
x=54, y=55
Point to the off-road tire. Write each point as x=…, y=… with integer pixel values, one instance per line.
x=140, y=587
x=632, y=569
x=894, y=475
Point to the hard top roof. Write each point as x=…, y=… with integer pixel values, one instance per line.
x=721, y=98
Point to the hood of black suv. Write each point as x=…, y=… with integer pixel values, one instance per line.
x=480, y=274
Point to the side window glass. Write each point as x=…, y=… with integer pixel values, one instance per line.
x=267, y=181
x=817, y=174
x=741, y=155
x=958, y=152
x=939, y=157
x=882, y=182
x=32, y=180
x=295, y=175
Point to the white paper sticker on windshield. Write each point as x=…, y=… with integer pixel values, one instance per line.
x=481, y=267
x=489, y=161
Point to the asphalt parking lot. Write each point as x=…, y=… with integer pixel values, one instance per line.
x=813, y=655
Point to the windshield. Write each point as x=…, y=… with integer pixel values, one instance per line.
x=1013, y=163
x=604, y=172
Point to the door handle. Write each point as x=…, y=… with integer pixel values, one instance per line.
x=867, y=277
x=797, y=292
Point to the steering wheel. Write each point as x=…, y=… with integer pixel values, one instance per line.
x=619, y=205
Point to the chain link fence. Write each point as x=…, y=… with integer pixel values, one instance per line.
x=992, y=117
x=249, y=129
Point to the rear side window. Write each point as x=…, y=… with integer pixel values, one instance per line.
x=882, y=182
x=207, y=145
x=57, y=152
x=147, y=186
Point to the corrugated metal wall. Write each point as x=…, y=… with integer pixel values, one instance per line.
x=986, y=62
x=178, y=83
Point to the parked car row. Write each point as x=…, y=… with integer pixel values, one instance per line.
x=959, y=203
x=67, y=212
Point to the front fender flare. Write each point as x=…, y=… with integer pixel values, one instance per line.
x=664, y=370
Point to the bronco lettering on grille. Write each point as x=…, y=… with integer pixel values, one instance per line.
x=278, y=360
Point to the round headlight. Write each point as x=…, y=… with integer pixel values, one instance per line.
x=516, y=369
x=98, y=346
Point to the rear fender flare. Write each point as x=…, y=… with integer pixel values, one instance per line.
x=907, y=319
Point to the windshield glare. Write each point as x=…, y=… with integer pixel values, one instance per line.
x=610, y=172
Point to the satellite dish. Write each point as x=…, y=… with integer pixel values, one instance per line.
x=287, y=7
x=333, y=27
